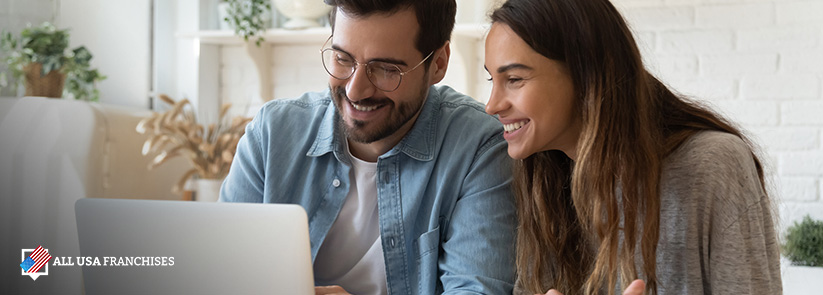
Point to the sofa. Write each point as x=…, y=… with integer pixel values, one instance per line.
x=52, y=153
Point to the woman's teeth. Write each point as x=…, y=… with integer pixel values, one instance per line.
x=514, y=126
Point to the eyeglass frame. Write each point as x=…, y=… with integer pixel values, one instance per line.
x=368, y=69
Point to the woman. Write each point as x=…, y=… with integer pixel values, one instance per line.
x=617, y=178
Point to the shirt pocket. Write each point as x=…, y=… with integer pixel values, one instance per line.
x=428, y=245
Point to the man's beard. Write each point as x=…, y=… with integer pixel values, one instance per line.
x=368, y=132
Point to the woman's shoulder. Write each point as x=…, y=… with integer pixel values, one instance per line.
x=711, y=144
x=710, y=152
x=712, y=167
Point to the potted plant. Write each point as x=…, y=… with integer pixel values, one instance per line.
x=209, y=149
x=41, y=59
x=804, y=248
x=248, y=18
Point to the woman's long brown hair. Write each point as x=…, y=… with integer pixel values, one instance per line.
x=571, y=213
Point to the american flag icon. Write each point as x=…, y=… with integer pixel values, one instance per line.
x=36, y=260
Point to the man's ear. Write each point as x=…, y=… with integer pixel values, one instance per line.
x=439, y=64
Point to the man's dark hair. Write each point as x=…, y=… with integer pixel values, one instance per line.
x=436, y=17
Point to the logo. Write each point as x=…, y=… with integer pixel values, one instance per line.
x=35, y=262
x=37, y=259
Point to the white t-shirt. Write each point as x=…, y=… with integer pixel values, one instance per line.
x=352, y=254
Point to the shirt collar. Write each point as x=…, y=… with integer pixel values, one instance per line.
x=417, y=144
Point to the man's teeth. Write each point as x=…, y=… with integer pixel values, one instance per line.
x=514, y=126
x=363, y=108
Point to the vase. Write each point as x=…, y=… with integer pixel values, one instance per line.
x=207, y=190
x=302, y=14
x=50, y=85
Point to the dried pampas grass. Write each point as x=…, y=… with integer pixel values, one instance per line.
x=176, y=132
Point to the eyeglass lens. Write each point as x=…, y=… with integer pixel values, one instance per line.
x=340, y=65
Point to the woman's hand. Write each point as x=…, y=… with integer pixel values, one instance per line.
x=637, y=287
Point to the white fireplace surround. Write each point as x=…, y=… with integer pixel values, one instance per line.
x=288, y=64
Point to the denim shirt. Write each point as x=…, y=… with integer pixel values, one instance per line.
x=446, y=209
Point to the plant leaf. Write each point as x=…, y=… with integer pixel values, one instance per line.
x=141, y=126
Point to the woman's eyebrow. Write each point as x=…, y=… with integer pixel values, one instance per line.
x=513, y=66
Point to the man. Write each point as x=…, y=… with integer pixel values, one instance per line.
x=406, y=185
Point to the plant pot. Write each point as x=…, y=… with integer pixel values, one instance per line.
x=50, y=85
x=802, y=280
x=301, y=14
x=208, y=190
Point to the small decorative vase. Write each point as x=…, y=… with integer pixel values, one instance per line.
x=208, y=190
x=301, y=14
x=50, y=85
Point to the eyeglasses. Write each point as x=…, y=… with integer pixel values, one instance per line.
x=383, y=75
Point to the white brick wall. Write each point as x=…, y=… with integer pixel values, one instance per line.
x=786, y=138
x=799, y=11
x=799, y=189
x=760, y=62
x=698, y=41
x=790, y=39
x=741, y=15
x=773, y=87
x=737, y=64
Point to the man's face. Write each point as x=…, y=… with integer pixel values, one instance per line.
x=368, y=114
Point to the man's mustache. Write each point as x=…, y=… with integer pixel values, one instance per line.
x=340, y=92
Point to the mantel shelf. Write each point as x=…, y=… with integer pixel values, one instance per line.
x=305, y=36
x=272, y=36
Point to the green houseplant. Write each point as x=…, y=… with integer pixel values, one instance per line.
x=248, y=18
x=803, y=247
x=804, y=243
x=40, y=57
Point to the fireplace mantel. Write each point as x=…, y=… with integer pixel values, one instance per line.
x=212, y=49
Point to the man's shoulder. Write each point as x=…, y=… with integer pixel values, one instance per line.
x=308, y=106
x=292, y=119
x=457, y=109
x=306, y=101
x=463, y=121
x=452, y=99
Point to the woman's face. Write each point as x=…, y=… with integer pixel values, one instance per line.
x=532, y=95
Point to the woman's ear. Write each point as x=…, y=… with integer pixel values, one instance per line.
x=439, y=64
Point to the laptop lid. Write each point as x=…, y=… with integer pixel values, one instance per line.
x=175, y=247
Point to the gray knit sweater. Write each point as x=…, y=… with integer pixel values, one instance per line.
x=716, y=226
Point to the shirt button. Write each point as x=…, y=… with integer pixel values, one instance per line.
x=335, y=182
x=391, y=241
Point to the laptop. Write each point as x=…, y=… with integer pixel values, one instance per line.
x=178, y=247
